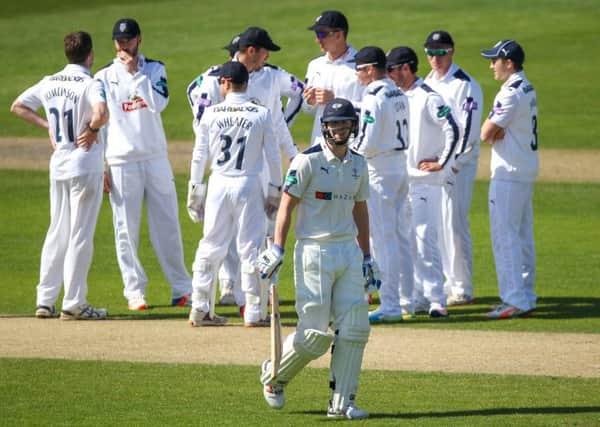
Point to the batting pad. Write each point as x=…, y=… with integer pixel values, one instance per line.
x=310, y=345
x=346, y=360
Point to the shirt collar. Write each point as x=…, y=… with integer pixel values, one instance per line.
x=451, y=70
x=519, y=75
x=348, y=56
x=330, y=157
x=237, y=97
x=77, y=68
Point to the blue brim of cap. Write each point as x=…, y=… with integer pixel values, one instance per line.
x=490, y=53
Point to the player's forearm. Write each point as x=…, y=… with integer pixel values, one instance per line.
x=28, y=115
x=284, y=219
x=100, y=116
x=491, y=132
x=361, y=219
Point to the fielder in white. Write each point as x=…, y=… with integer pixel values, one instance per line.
x=75, y=107
x=383, y=141
x=433, y=136
x=267, y=85
x=233, y=137
x=329, y=185
x=333, y=74
x=511, y=128
x=139, y=169
x=463, y=95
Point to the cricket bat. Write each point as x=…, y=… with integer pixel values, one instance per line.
x=276, y=344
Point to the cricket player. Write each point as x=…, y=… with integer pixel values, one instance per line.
x=463, y=95
x=511, y=128
x=329, y=185
x=75, y=107
x=232, y=137
x=267, y=85
x=383, y=141
x=139, y=169
x=331, y=75
x=433, y=136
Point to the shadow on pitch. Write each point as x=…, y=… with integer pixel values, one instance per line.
x=473, y=413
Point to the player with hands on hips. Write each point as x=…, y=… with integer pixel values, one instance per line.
x=383, y=141
x=328, y=184
x=75, y=107
x=433, y=136
x=234, y=138
x=464, y=97
x=138, y=167
x=511, y=128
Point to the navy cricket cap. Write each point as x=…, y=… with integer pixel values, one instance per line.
x=257, y=37
x=401, y=55
x=234, y=71
x=338, y=109
x=371, y=55
x=439, y=37
x=126, y=28
x=233, y=46
x=508, y=49
x=330, y=19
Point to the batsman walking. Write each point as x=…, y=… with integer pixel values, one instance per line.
x=329, y=185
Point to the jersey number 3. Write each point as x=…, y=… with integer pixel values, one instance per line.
x=534, y=141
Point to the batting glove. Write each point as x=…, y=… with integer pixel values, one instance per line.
x=269, y=261
x=272, y=202
x=195, y=201
x=371, y=275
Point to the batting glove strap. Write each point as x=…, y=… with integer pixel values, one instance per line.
x=269, y=261
x=371, y=274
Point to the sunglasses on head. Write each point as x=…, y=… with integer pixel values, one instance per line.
x=438, y=52
x=364, y=66
x=322, y=34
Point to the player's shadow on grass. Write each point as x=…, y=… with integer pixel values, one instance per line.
x=542, y=410
x=471, y=413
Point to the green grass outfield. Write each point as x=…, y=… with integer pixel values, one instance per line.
x=559, y=37
x=567, y=231
x=58, y=392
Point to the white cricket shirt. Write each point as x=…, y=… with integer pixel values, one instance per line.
x=433, y=133
x=338, y=76
x=328, y=188
x=135, y=131
x=67, y=98
x=233, y=137
x=464, y=96
x=383, y=133
x=515, y=158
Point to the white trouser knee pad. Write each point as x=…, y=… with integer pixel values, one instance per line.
x=346, y=360
x=251, y=286
x=307, y=345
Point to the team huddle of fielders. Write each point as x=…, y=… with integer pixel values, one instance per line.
x=382, y=195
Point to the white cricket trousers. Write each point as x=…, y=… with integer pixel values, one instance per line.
x=69, y=245
x=234, y=210
x=456, y=243
x=329, y=282
x=426, y=215
x=511, y=222
x=390, y=244
x=152, y=181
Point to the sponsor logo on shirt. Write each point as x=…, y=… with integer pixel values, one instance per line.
x=443, y=111
x=136, y=103
x=327, y=195
x=469, y=105
x=290, y=180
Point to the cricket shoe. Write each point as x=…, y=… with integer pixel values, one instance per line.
x=506, y=311
x=85, y=312
x=380, y=316
x=437, y=311
x=227, y=298
x=137, y=304
x=350, y=412
x=273, y=394
x=183, y=301
x=464, y=299
x=421, y=306
x=45, y=312
x=262, y=323
x=202, y=318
